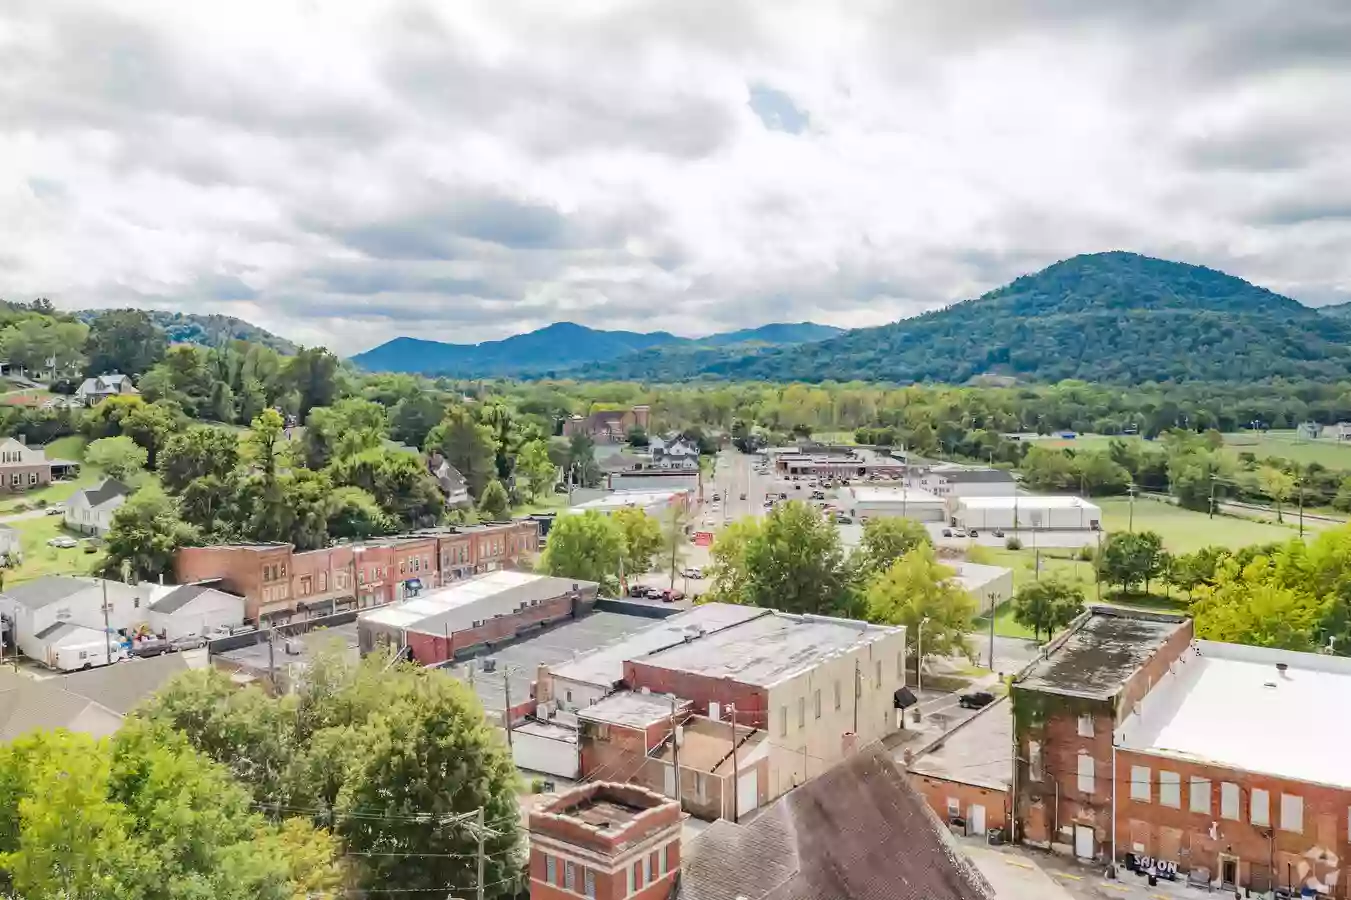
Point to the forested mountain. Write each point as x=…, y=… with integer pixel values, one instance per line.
x=1108, y=317
x=1337, y=310
x=205, y=330
x=562, y=346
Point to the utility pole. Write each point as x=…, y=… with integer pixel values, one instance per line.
x=271, y=660
x=675, y=751
x=993, y=610
x=856, y=693
x=481, y=829
x=1212, y=496
x=1130, y=490
x=736, y=775
x=1301, y=505
x=506, y=687
x=107, y=636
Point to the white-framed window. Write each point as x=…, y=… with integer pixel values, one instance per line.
x=630, y=870
x=801, y=712
x=1085, y=726
x=570, y=876
x=1292, y=813
x=1087, y=773
x=837, y=693
x=954, y=807
x=589, y=881
x=1034, y=760
x=816, y=702
x=1199, y=795
x=32, y=478
x=783, y=721
x=1259, y=807
x=665, y=860
x=1140, y=784
x=551, y=869
x=1229, y=801
x=1170, y=789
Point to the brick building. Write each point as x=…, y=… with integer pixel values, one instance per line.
x=279, y=584
x=965, y=774
x=607, y=841
x=610, y=425
x=1220, y=763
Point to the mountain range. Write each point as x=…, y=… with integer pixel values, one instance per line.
x=565, y=347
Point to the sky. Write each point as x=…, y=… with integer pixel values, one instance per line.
x=343, y=172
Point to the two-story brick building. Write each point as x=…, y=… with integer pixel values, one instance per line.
x=279, y=584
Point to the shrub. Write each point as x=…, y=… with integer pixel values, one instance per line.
x=1013, y=544
x=1086, y=553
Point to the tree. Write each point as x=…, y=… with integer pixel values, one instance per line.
x=412, y=418
x=1047, y=605
x=585, y=546
x=1132, y=558
x=183, y=377
x=42, y=344
x=362, y=744
x=1250, y=605
x=398, y=480
x=203, y=451
x=728, y=574
x=885, y=540
x=151, y=425
x=643, y=538
x=347, y=428
x=796, y=563
x=353, y=514
x=674, y=537
x=466, y=445
x=106, y=419
x=637, y=437
x=264, y=442
x=917, y=588
x=494, y=504
x=312, y=374
x=1277, y=485
x=536, y=473
x=582, y=466
x=1189, y=571
x=119, y=457
x=146, y=534
x=124, y=340
x=1342, y=501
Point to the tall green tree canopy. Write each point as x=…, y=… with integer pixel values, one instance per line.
x=917, y=589
x=587, y=546
x=1047, y=605
x=124, y=340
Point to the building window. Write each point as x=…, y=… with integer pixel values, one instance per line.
x=1170, y=789
x=954, y=808
x=801, y=712
x=900, y=666
x=550, y=870
x=1292, y=813
x=1199, y=795
x=135, y=602
x=569, y=876
x=589, y=880
x=1229, y=801
x=665, y=863
x=32, y=477
x=1034, y=760
x=816, y=702
x=649, y=862
x=1086, y=726
x=637, y=872
x=1259, y=812
x=783, y=721
x=1140, y=784
x=631, y=870
x=1086, y=773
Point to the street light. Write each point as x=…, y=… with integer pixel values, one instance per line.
x=919, y=665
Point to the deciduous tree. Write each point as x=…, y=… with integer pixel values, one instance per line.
x=1047, y=605
x=494, y=504
x=466, y=445
x=120, y=457
x=203, y=451
x=586, y=546
x=146, y=534
x=917, y=587
x=643, y=538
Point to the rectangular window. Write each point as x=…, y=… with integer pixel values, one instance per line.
x=648, y=873
x=783, y=721
x=1199, y=795
x=1170, y=789
x=837, y=693
x=1086, y=773
x=589, y=880
x=816, y=702
x=550, y=870
x=569, y=876
x=1229, y=801
x=665, y=862
x=1085, y=726
x=1292, y=813
x=1259, y=812
x=136, y=603
x=954, y=807
x=630, y=870
x=1140, y=784
x=638, y=875
x=1034, y=760
x=33, y=478
x=801, y=712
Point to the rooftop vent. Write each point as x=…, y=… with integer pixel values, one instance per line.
x=1281, y=667
x=1270, y=684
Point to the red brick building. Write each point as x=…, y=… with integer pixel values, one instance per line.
x=1220, y=763
x=278, y=584
x=610, y=425
x=607, y=841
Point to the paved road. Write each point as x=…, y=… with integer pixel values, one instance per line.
x=1010, y=654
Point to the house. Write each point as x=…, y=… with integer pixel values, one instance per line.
x=193, y=609
x=90, y=510
x=22, y=467
x=36, y=607
x=1344, y=431
x=674, y=452
x=1310, y=431
x=963, y=776
x=453, y=485
x=10, y=542
x=94, y=390
x=608, y=426
x=859, y=832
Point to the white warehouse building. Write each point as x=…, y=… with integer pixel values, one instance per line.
x=875, y=502
x=1026, y=511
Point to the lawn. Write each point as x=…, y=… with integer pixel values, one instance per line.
x=545, y=504
x=1326, y=451
x=62, y=448
x=1184, y=530
x=40, y=559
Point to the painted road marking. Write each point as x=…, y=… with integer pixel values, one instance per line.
x=1071, y=877
x=1017, y=862
x=1115, y=887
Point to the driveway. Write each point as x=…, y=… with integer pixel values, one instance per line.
x=1010, y=654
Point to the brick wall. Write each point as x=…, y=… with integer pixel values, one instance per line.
x=1320, y=849
x=431, y=648
x=938, y=791
x=752, y=705
x=1154, y=668
x=25, y=474
x=1063, y=804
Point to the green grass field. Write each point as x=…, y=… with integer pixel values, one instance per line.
x=1184, y=530
x=39, y=559
x=1325, y=451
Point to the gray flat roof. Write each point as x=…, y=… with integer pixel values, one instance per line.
x=255, y=656
x=520, y=660
x=1099, y=657
x=768, y=649
x=979, y=751
x=459, y=605
x=605, y=666
x=629, y=708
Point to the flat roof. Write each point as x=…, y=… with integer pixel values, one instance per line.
x=706, y=746
x=255, y=656
x=1028, y=501
x=977, y=752
x=632, y=709
x=604, y=666
x=620, y=499
x=974, y=576
x=766, y=650
x=457, y=606
x=1099, y=656
x=1229, y=705
x=893, y=495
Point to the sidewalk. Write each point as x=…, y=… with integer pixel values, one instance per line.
x=1022, y=873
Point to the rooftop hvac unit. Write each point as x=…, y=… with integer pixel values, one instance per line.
x=292, y=647
x=489, y=664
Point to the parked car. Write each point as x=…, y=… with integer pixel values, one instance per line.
x=783, y=496
x=152, y=647
x=653, y=593
x=717, y=497
x=975, y=700
x=694, y=572
x=637, y=590
x=947, y=532
x=973, y=533
x=188, y=642
x=844, y=520
x=65, y=543
x=669, y=596
x=998, y=532
x=55, y=509
x=959, y=532
x=743, y=496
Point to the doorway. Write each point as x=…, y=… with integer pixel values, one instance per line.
x=1228, y=872
x=975, y=819
x=1084, y=842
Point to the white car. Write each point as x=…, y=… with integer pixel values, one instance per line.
x=64, y=543
x=694, y=572
x=55, y=509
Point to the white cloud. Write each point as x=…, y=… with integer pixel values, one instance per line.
x=347, y=172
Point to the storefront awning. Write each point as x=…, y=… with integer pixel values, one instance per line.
x=905, y=698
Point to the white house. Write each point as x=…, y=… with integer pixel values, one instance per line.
x=101, y=387
x=675, y=453
x=36, y=606
x=10, y=542
x=91, y=510
x=193, y=609
x=453, y=485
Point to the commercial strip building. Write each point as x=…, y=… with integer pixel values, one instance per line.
x=658, y=504
x=1021, y=511
x=951, y=480
x=279, y=584
x=847, y=464
x=859, y=832
x=1222, y=763
x=866, y=502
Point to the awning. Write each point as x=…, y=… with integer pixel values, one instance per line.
x=316, y=605
x=413, y=584
x=904, y=698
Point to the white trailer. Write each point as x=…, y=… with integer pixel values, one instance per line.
x=86, y=654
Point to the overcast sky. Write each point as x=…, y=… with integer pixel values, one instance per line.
x=346, y=172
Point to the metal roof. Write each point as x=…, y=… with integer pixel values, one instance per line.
x=49, y=589
x=458, y=606
x=181, y=596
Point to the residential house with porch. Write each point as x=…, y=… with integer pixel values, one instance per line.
x=94, y=390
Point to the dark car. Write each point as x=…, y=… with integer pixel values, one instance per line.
x=973, y=533
x=743, y=496
x=637, y=590
x=999, y=532
x=947, y=532
x=844, y=520
x=975, y=700
x=155, y=647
